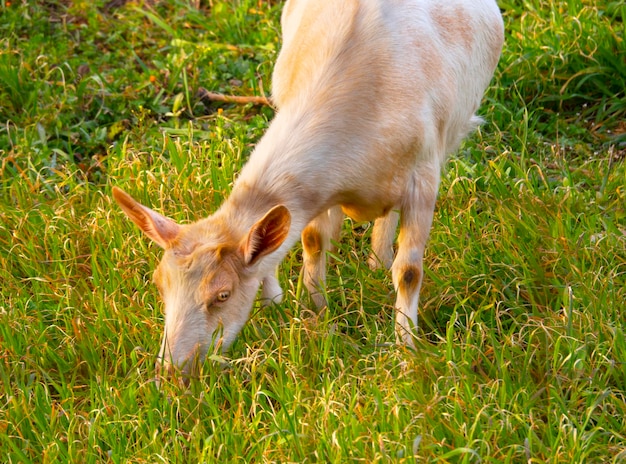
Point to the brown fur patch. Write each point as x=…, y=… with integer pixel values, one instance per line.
x=311, y=240
x=453, y=25
x=432, y=64
x=409, y=279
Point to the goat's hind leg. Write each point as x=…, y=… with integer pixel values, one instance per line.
x=383, y=235
x=316, y=240
x=407, y=270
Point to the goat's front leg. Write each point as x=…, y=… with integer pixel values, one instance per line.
x=316, y=240
x=271, y=291
x=417, y=210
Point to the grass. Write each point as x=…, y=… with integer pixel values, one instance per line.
x=522, y=346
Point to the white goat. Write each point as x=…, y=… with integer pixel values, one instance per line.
x=372, y=95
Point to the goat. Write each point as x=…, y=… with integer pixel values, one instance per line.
x=372, y=96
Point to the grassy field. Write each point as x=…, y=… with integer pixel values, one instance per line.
x=521, y=349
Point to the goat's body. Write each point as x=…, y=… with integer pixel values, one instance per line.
x=368, y=111
x=372, y=95
x=357, y=123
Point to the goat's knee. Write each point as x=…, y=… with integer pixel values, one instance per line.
x=311, y=241
x=410, y=279
x=407, y=279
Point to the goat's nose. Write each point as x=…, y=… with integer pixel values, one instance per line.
x=170, y=372
x=164, y=370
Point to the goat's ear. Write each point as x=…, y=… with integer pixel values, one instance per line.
x=266, y=235
x=159, y=228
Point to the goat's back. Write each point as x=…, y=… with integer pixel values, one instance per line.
x=401, y=69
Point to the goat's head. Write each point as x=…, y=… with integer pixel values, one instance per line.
x=208, y=278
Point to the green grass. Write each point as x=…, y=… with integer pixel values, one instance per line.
x=522, y=343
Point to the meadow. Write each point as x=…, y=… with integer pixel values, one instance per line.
x=521, y=346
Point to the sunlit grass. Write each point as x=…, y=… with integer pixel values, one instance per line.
x=521, y=348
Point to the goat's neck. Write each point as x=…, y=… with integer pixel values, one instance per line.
x=283, y=169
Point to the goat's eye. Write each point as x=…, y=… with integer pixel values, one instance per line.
x=223, y=296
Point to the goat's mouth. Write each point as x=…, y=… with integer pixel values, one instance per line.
x=180, y=372
x=167, y=372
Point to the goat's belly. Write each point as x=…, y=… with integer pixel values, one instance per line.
x=363, y=213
